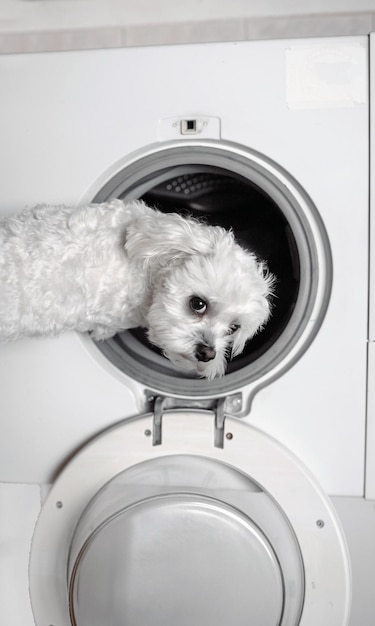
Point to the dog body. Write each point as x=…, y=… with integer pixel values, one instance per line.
x=108, y=267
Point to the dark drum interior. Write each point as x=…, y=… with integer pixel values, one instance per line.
x=223, y=198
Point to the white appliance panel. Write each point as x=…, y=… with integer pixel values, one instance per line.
x=79, y=115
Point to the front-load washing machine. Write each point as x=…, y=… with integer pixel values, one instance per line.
x=135, y=493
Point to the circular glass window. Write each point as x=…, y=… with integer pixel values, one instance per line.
x=269, y=213
x=185, y=539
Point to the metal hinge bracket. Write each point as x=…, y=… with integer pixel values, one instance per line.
x=226, y=405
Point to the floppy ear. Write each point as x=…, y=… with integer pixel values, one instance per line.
x=167, y=238
x=239, y=343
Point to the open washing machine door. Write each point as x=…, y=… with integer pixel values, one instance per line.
x=187, y=517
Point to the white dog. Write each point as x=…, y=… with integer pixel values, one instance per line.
x=108, y=267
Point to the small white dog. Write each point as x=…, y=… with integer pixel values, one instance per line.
x=108, y=267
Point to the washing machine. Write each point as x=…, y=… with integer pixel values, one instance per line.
x=134, y=493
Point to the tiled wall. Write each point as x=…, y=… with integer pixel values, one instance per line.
x=43, y=25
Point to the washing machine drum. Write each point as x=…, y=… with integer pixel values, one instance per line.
x=187, y=532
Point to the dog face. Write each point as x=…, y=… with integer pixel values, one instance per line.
x=207, y=307
x=208, y=296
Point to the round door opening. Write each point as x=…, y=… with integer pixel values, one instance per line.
x=269, y=215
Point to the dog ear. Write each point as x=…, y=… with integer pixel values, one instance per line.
x=168, y=238
x=255, y=322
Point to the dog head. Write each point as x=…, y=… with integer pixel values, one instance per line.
x=209, y=295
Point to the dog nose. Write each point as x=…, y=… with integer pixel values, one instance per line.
x=205, y=353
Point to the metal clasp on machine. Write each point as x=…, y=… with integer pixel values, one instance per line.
x=226, y=405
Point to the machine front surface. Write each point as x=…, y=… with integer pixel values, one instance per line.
x=83, y=126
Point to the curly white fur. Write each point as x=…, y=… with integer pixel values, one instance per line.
x=108, y=267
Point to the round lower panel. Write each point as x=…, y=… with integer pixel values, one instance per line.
x=177, y=559
x=202, y=493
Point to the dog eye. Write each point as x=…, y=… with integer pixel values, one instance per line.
x=232, y=328
x=198, y=305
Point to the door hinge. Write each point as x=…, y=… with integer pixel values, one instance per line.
x=226, y=405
